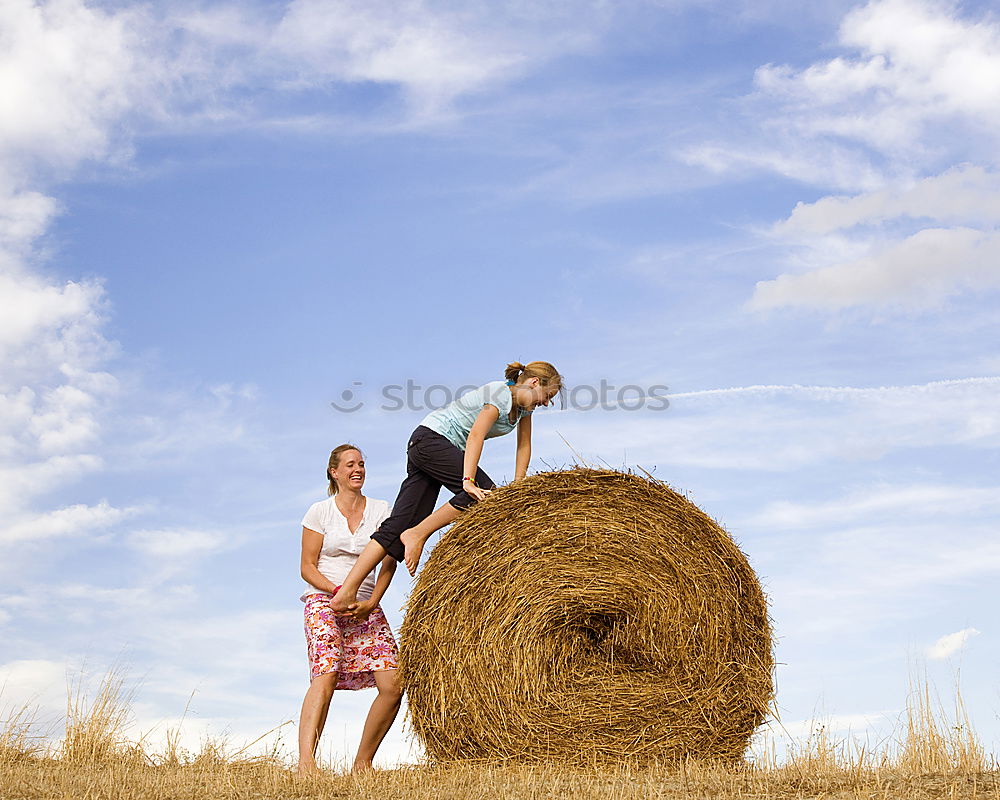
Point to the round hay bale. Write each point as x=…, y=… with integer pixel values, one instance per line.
x=586, y=615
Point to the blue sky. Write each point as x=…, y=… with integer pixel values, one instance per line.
x=216, y=218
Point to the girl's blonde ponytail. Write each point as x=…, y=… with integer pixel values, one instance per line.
x=547, y=374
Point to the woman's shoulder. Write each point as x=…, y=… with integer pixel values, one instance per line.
x=321, y=505
x=375, y=504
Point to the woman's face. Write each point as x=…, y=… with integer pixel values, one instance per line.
x=350, y=471
x=532, y=394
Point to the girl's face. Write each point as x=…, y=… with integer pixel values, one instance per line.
x=350, y=472
x=532, y=394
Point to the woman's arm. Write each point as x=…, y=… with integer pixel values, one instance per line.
x=474, y=447
x=312, y=545
x=523, y=457
x=385, y=573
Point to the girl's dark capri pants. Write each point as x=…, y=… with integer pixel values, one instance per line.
x=431, y=462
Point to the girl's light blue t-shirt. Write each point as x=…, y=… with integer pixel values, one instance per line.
x=455, y=420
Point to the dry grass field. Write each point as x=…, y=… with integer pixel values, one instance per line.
x=934, y=757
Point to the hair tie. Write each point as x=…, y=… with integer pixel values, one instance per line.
x=512, y=383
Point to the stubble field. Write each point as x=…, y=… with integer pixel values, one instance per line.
x=935, y=755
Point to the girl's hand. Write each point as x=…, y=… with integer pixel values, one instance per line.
x=474, y=491
x=362, y=609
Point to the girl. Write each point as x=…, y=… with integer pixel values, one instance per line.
x=445, y=450
x=346, y=651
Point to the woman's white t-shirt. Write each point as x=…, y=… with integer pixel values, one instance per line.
x=341, y=548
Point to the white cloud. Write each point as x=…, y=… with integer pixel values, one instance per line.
x=24, y=216
x=21, y=479
x=916, y=62
x=915, y=86
x=34, y=683
x=822, y=163
x=919, y=500
x=42, y=323
x=949, y=645
x=834, y=723
x=68, y=72
x=179, y=543
x=52, y=395
x=436, y=55
x=918, y=272
x=69, y=521
x=965, y=193
x=432, y=53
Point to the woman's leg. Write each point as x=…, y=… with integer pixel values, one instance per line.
x=380, y=717
x=312, y=719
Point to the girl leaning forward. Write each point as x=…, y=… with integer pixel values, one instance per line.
x=444, y=450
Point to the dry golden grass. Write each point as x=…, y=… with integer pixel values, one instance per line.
x=134, y=778
x=937, y=756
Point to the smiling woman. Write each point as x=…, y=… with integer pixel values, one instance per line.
x=355, y=650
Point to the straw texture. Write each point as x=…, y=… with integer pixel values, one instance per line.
x=586, y=615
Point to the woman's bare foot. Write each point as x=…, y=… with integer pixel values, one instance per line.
x=413, y=547
x=362, y=768
x=307, y=769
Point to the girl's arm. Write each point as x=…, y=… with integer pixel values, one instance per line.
x=523, y=448
x=474, y=448
x=385, y=573
x=312, y=544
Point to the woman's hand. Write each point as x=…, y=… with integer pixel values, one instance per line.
x=362, y=609
x=474, y=491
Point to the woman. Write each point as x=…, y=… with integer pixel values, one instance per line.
x=354, y=650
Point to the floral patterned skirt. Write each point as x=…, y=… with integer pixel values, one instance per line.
x=339, y=643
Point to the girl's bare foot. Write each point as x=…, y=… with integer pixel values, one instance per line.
x=362, y=767
x=413, y=547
